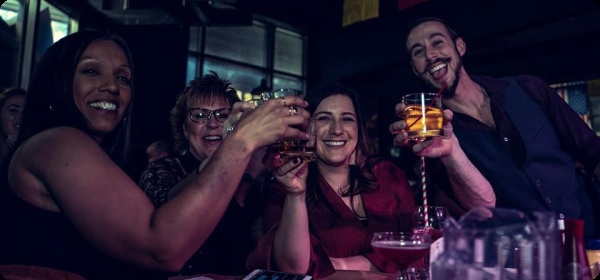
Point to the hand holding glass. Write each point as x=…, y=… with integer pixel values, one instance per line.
x=291, y=148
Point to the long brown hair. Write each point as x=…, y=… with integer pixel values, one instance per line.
x=361, y=176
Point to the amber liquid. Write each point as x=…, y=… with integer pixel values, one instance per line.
x=420, y=128
x=290, y=149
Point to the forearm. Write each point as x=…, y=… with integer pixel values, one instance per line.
x=359, y=262
x=200, y=204
x=470, y=187
x=291, y=248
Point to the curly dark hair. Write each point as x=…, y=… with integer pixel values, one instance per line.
x=207, y=88
x=361, y=178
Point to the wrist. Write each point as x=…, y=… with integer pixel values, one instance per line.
x=455, y=153
x=239, y=142
x=296, y=196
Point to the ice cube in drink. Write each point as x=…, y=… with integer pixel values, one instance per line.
x=419, y=127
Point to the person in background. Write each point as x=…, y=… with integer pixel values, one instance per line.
x=516, y=130
x=321, y=215
x=67, y=202
x=197, y=126
x=158, y=149
x=12, y=101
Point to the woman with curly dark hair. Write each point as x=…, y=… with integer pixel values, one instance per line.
x=197, y=126
x=197, y=130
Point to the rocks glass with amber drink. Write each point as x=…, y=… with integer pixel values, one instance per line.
x=423, y=115
x=291, y=148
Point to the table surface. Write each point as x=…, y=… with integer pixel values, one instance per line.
x=338, y=275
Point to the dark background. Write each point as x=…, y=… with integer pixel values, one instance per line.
x=556, y=40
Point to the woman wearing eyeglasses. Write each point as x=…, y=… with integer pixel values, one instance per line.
x=197, y=126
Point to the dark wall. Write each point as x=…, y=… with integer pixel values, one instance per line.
x=554, y=40
x=160, y=60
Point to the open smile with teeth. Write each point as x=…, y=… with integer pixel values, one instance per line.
x=104, y=105
x=212, y=137
x=334, y=143
x=437, y=68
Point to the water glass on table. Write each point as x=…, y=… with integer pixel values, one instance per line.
x=291, y=148
x=430, y=220
x=423, y=115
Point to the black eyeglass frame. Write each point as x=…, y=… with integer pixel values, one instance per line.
x=210, y=114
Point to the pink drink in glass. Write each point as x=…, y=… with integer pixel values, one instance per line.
x=403, y=249
x=402, y=254
x=434, y=233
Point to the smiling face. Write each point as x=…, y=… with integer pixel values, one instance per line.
x=101, y=87
x=10, y=115
x=204, y=138
x=435, y=57
x=336, y=130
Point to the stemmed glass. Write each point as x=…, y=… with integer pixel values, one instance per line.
x=402, y=248
x=430, y=222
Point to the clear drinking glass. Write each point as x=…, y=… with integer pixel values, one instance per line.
x=291, y=148
x=431, y=222
x=423, y=115
x=403, y=249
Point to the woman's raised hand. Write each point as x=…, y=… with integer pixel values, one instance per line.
x=292, y=175
x=273, y=120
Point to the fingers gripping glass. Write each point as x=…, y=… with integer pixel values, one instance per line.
x=201, y=115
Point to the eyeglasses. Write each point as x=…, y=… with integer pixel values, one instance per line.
x=201, y=115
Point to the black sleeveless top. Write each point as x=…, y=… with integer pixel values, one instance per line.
x=33, y=236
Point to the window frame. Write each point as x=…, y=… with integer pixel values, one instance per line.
x=271, y=26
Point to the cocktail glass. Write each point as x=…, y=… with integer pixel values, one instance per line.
x=403, y=249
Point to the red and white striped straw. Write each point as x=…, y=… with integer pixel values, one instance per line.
x=424, y=185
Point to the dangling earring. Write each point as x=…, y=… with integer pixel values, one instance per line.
x=51, y=108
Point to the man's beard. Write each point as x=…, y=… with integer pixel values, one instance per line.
x=450, y=89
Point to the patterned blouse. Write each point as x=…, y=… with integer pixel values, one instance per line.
x=162, y=175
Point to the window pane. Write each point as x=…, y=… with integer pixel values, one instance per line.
x=242, y=78
x=241, y=43
x=282, y=81
x=195, y=38
x=53, y=25
x=288, y=52
x=192, y=69
x=11, y=28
